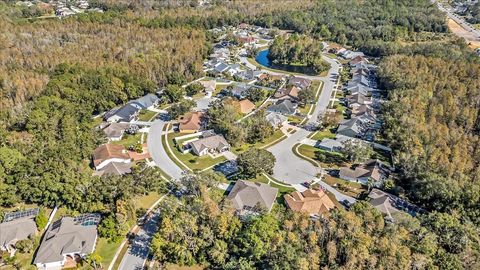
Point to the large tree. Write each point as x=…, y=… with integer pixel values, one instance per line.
x=255, y=161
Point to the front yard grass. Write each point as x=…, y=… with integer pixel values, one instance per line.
x=146, y=115
x=244, y=147
x=325, y=158
x=146, y=201
x=190, y=160
x=352, y=189
x=106, y=249
x=323, y=134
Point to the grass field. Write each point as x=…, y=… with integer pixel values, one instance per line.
x=346, y=187
x=325, y=158
x=106, y=250
x=323, y=134
x=146, y=201
x=244, y=147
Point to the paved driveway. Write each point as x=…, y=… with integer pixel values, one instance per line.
x=158, y=153
x=139, y=249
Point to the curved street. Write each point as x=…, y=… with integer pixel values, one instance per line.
x=158, y=153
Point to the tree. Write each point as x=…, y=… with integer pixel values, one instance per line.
x=194, y=88
x=41, y=219
x=357, y=151
x=307, y=96
x=95, y=259
x=174, y=92
x=255, y=161
x=25, y=245
x=180, y=108
x=108, y=228
x=331, y=119
x=257, y=128
x=255, y=94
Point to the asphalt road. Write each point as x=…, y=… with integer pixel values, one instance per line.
x=158, y=153
x=139, y=249
x=289, y=168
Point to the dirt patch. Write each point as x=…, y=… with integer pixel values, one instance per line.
x=458, y=30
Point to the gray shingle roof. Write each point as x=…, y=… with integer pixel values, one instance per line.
x=247, y=196
x=66, y=236
x=17, y=229
x=147, y=100
x=284, y=107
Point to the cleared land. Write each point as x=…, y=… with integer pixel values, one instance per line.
x=458, y=30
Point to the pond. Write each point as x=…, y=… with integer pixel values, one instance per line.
x=262, y=59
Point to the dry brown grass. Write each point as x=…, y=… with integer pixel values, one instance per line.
x=467, y=35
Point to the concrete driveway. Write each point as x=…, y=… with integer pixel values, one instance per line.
x=158, y=153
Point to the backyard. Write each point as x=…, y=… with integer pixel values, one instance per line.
x=129, y=140
x=146, y=115
x=352, y=189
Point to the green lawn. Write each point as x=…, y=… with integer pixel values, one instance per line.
x=346, y=187
x=106, y=250
x=190, y=160
x=304, y=110
x=294, y=119
x=327, y=159
x=146, y=201
x=129, y=140
x=244, y=147
x=146, y=115
x=322, y=134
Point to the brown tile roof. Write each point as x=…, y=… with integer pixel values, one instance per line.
x=370, y=169
x=291, y=91
x=191, y=121
x=312, y=202
x=108, y=151
x=244, y=106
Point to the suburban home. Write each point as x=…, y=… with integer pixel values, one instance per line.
x=221, y=67
x=276, y=120
x=209, y=145
x=126, y=113
x=114, y=168
x=148, y=101
x=249, y=75
x=246, y=39
x=20, y=226
x=289, y=92
x=249, y=198
x=361, y=173
x=234, y=69
x=301, y=83
x=360, y=89
x=191, y=122
x=67, y=241
x=358, y=80
x=355, y=127
x=358, y=59
x=390, y=205
x=244, y=106
x=285, y=107
x=210, y=86
x=311, y=202
x=360, y=110
x=107, y=153
x=240, y=90
x=358, y=99
x=331, y=145
x=347, y=54
x=115, y=131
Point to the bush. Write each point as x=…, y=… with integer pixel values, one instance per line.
x=41, y=219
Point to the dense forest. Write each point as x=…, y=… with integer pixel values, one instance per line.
x=203, y=230
x=433, y=120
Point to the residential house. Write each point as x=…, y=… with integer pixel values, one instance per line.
x=360, y=110
x=16, y=229
x=67, y=241
x=358, y=59
x=331, y=145
x=299, y=82
x=126, y=113
x=358, y=99
x=390, y=205
x=354, y=127
x=148, y=101
x=191, y=122
x=106, y=153
x=358, y=80
x=210, y=145
x=360, y=89
x=276, y=120
x=250, y=198
x=372, y=169
x=115, y=131
x=210, y=86
x=234, y=69
x=221, y=68
x=285, y=107
x=244, y=106
x=246, y=39
x=347, y=54
x=289, y=92
x=240, y=90
x=311, y=202
x=248, y=75
x=114, y=168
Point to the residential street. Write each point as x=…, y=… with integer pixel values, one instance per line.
x=158, y=153
x=138, y=251
x=289, y=168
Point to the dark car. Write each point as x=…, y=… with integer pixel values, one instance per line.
x=346, y=203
